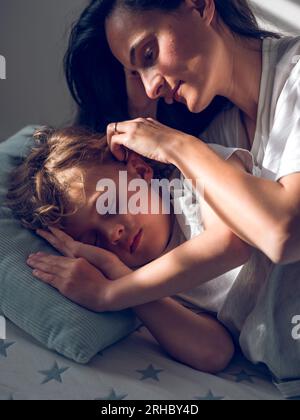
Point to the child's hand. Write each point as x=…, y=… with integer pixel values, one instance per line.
x=109, y=264
x=62, y=242
x=76, y=279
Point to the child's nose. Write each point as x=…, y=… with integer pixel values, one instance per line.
x=116, y=234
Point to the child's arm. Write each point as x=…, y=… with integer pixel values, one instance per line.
x=197, y=340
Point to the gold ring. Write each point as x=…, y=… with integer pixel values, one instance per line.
x=116, y=128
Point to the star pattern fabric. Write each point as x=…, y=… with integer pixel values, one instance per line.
x=209, y=397
x=133, y=369
x=150, y=373
x=53, y=374
x=243, y=376
x=113, y=396
x=4, y=345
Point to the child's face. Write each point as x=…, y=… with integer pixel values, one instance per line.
x=135, y=239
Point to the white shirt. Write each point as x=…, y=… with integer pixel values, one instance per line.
x=276, y=152
x=276, y=147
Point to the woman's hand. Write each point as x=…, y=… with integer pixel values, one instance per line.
x=139, y=104
x=107, y=262
x=76, y=279
x=146, y=137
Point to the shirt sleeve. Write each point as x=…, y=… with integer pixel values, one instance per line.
x=244, y=155
x=282, y=156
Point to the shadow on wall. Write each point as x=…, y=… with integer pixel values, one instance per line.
x=33, y=39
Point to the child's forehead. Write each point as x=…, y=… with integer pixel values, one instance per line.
x=96, y=173
x=103, y=169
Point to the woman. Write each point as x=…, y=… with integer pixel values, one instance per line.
x=227, y=61
x=223, y=64
x=155, y=41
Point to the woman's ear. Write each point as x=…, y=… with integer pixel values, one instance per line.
x=206, y=8
x=137, y=167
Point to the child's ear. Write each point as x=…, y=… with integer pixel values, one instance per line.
x=136, y=166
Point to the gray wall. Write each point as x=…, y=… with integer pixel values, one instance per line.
x=33, y=39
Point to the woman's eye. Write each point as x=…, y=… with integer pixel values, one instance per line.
x=149, y=56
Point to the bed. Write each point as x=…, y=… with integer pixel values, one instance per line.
x=135, y=368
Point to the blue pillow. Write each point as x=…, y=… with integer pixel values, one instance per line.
x=38, y=309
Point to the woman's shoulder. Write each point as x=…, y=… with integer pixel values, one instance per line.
x=287, y=45
x=285, y=53
x=280, y=155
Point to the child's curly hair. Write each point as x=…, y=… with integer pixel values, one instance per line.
x=45, y=187
x=40, y=188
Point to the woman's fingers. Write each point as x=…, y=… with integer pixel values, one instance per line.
x=121, y=139
x=118, y=147
x=117, y=141
x=144, y=136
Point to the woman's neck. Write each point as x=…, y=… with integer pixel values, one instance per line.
x=245, y=75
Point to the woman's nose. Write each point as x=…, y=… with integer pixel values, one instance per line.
x=154, y=87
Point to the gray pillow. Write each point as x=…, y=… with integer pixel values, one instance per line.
x=35, y=307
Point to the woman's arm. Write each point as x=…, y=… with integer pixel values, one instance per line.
x=264, y=213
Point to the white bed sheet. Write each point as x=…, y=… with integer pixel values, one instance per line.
x=134, y=369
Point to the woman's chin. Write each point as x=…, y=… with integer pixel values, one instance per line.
x=192, y=107
x=199, y=106
x=191, y=104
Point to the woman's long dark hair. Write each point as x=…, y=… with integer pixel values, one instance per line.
x=97, y=81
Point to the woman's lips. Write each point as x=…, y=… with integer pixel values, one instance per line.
x=136, y=242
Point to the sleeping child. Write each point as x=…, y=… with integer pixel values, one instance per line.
x=55, y=192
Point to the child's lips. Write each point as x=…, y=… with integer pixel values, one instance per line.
x=136, y=242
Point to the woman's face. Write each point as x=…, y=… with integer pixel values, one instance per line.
x=170, y=50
